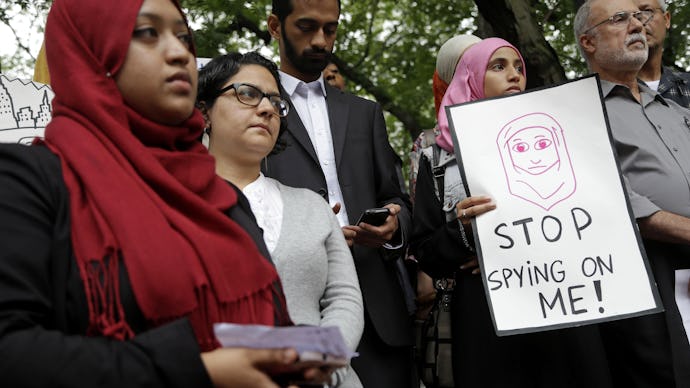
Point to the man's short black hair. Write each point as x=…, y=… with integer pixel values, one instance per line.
x=283, y=8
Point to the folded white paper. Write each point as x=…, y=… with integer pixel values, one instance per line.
x=313, y=343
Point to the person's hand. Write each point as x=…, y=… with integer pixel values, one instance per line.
x=472, y=207
x=350, y=232
x=252, y=368
x=472, y=265
x=375, y=236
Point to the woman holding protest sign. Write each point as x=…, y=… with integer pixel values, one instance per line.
x=120, y=246
x=443, y=244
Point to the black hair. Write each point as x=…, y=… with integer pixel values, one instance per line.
x=218, y=71
x=283, y=8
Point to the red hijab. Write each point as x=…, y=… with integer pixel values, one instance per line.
x=144, y=194
x=439, y=87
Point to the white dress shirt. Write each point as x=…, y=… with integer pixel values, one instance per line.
x=267, y=205
x=310, y=101
x=654, y=85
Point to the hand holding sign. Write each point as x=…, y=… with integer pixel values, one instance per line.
x=473, y=207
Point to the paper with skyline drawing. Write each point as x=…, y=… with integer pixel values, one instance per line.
x=25, y=109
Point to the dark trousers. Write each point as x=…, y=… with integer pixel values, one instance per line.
x=639, y=352
x=380, y=365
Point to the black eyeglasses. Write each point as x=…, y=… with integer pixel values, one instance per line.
x=252, y=96
x=622, y=18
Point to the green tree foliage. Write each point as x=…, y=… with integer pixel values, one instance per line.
x=33, y=15
x=388, y=51
x=677, y=44
x=222, y=26
x=387, y=48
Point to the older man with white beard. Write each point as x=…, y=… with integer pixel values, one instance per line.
x=652, y=139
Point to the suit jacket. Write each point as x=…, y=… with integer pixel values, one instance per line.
x=366, y=171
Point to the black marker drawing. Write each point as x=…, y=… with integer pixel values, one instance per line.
x=25, y=109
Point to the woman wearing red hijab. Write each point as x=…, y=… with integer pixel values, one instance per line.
x=120, y=245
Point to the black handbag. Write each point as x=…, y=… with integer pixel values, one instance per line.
x=435, y=363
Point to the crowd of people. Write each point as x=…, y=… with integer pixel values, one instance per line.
x=125, y=238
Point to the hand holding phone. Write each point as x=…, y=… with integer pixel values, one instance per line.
x=377, y=232
x=374, y=216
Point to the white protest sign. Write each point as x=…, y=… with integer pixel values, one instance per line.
x=25, y=109
x=561, y=248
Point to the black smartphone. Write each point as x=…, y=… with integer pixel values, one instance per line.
x=374, y=216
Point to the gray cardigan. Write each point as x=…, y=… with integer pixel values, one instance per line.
x=317, y=271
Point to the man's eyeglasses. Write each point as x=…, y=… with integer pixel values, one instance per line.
x=622, y=18
x=252, y=96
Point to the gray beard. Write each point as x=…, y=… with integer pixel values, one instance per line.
x=623, y=58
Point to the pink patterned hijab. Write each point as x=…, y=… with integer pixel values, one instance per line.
x=468, y=82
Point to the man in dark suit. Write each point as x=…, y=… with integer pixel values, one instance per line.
x=338, y=147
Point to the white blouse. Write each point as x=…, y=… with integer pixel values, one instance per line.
x=267, y=205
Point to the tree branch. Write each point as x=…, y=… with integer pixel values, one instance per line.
x=408, y=120
x=241, y=22
x=20, y=45
x=370, y=30
x=512, y=20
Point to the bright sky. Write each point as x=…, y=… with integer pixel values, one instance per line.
x=29, y=36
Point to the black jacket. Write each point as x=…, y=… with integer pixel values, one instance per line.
x=43, y=310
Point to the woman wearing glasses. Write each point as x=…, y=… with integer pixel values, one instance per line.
x=119, y=245
x=243, y=109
